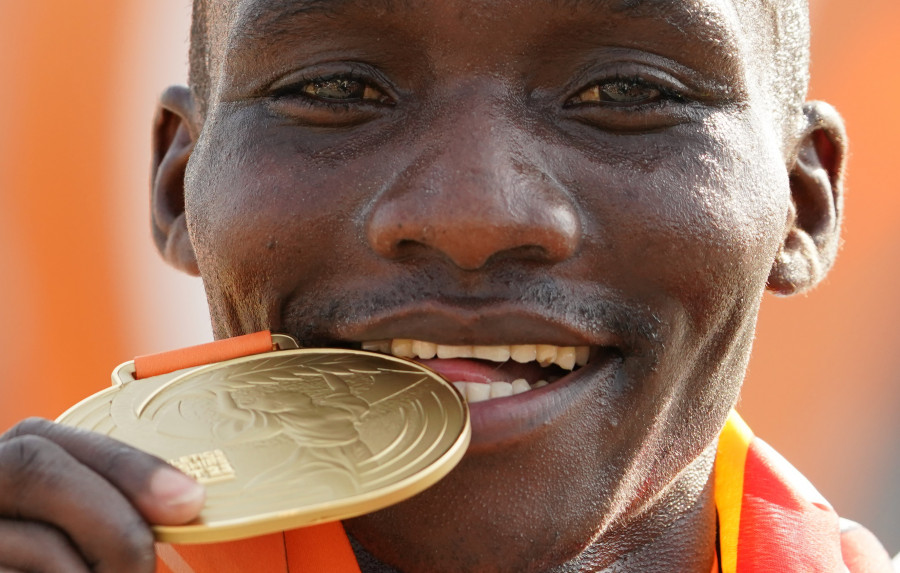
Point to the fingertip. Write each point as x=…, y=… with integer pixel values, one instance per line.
x=177, y=498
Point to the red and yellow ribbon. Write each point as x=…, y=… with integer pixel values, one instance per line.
x=771, y=519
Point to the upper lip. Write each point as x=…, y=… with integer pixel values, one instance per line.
x=488, y=324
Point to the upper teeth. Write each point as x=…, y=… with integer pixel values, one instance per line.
x=566, y=357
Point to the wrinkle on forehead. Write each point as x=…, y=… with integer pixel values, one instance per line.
x=688, y=13
x=260, y=19
x=256, y=15
x=264, y=14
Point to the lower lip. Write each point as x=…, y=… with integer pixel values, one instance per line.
x=514, y=418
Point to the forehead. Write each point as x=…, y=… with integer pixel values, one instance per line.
x=717, y=22
x=247, y=7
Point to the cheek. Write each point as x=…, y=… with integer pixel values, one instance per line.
x=692, y=215
x=262, y=213
x=734, y=221
x=243, y=215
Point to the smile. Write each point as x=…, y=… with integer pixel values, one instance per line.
x=483, y=373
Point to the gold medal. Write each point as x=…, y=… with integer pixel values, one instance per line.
x=288, y=438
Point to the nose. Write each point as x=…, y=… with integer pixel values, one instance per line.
x=478, y=194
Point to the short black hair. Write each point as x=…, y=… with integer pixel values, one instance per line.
x=790, y=34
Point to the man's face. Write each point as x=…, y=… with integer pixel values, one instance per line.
x=573, y=174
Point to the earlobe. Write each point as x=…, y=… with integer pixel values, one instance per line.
x=814, y=221
x=175, y=130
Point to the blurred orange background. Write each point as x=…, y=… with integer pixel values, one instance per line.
x=84, y=289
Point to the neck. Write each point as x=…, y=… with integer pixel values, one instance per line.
x=675, y=533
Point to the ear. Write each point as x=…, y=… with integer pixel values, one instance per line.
x=175, y=131
x=817, y=187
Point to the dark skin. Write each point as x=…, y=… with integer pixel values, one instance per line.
x=491, y=173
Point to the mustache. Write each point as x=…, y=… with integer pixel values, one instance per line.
x=587, y=308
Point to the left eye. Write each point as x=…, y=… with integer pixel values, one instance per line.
x=618, y=92
x=342, y=90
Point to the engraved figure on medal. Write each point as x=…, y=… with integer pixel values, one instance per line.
x=318, y=413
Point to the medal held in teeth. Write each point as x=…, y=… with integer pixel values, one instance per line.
x=288, y=438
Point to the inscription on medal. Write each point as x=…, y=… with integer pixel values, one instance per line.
x=206, y=467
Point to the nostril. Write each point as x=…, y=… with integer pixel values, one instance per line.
x=531, y=253
x=471, y=205
x=471, y=240
x=408, y=248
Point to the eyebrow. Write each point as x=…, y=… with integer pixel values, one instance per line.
x=712, y=24
x=271, y=16
x=682, y=14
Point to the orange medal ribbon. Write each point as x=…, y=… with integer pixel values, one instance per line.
x=318, y=549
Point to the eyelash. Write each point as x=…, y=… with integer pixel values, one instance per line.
x=666, y=95
x=295, y=92
x=665, y=106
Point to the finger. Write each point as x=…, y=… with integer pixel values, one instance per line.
x=28, y=546
x=39, y=481
x=162, y=494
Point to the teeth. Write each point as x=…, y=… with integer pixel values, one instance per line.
x=546, y=354
x=382, y=346
x=523, y=352
x=520, y=385
x=493, y=353
x=501, y=389
x=444, y=351
x=477, y=392
x=402, y=348
x=425, y=350
x=582, y=353
x=566, y=357
x=480, y=391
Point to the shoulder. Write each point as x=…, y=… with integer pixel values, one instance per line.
x=861, y=550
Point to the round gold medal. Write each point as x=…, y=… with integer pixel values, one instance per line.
x=290, y=438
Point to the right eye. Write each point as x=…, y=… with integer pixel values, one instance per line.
x=618, y=92
x=634, y=99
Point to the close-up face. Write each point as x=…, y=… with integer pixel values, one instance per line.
x=528, y=185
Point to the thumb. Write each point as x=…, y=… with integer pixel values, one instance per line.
x=161, y=494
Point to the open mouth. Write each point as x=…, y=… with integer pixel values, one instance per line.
x=482, y=373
